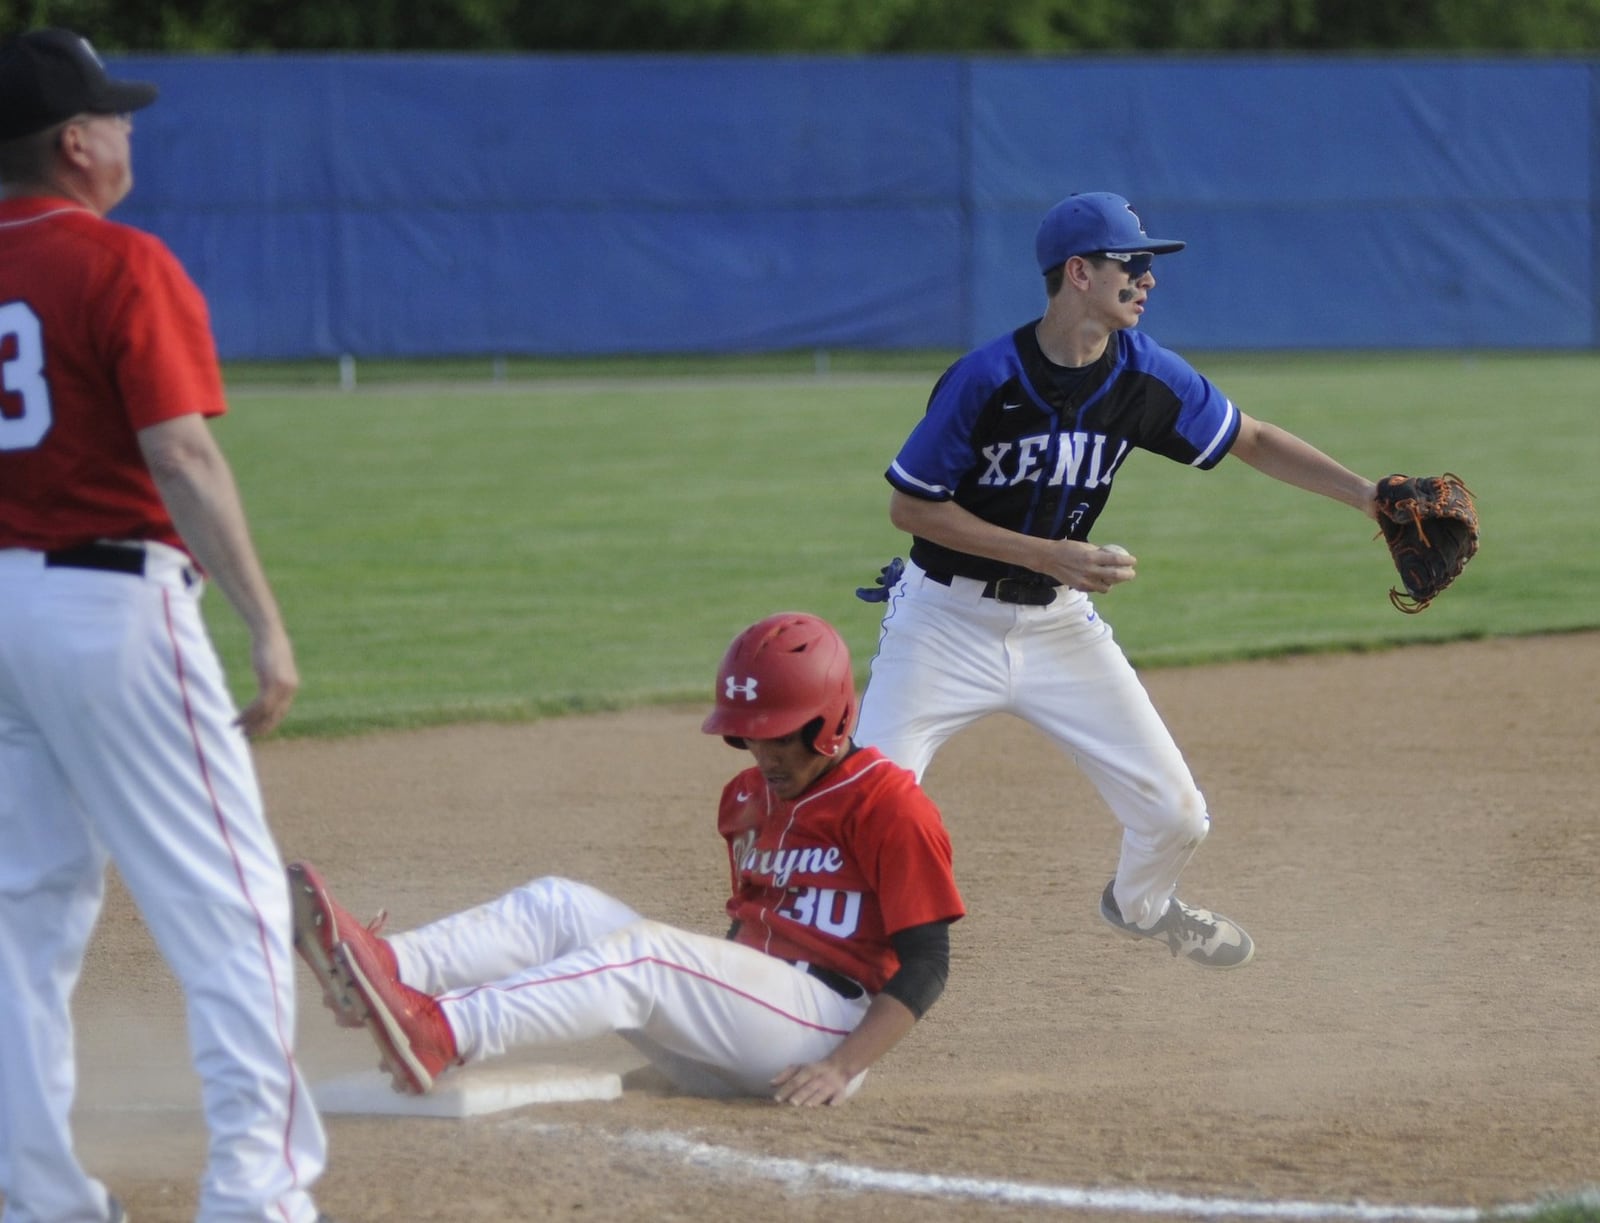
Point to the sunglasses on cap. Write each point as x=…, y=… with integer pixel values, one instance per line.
x=1135, y=263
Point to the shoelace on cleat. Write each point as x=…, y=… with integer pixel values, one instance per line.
x=1189, y=927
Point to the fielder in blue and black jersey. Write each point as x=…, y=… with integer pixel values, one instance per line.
x=1032, y=446
x=999, y=486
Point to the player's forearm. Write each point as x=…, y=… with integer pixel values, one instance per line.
x=1280, y=454
x=883, y=1027
x=197, y=486
x=951, y=526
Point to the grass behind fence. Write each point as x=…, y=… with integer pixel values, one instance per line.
x=483, y=549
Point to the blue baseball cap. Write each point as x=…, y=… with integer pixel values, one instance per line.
x=1091, y=222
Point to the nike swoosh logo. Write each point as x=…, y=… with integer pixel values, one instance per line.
x=1006, y=407
x=741, y=797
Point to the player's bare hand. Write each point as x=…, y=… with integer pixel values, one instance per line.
x=1089, y=567
x=277, y=681
x=810, y=1085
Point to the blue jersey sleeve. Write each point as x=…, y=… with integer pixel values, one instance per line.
x=1206, y=423
x=941, y=447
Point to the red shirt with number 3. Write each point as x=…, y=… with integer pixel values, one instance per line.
x=102, y=334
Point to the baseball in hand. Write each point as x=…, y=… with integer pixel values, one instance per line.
x=1117, y=548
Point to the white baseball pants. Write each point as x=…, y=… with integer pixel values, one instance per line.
x=948, y=657
x=116, y=741
x=555, y=961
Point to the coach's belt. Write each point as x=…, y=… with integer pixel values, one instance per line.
x=110, y=556
x=114, y=558
x=836, y=981
x=1030, y=592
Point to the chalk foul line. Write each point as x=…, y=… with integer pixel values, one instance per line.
x=797, y=1173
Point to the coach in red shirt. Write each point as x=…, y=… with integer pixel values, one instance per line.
x=119, y=740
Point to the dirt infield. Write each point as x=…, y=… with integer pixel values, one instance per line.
x=1411, y=836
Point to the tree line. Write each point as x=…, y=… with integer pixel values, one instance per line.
x=825, y=26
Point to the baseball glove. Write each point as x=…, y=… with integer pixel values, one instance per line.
x=1431, y=526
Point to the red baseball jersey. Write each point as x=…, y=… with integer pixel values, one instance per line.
x=102, y=334
x=829, y=876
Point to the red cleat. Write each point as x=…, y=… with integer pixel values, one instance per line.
x=320, y=924
x=412, y=1034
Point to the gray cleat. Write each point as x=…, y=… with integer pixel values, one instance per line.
x=1207, y=938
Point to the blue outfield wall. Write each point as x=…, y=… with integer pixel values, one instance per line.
x=439, y=205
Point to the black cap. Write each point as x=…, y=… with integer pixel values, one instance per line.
x=50, y=75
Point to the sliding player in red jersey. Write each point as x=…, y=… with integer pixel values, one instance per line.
x=842, y=898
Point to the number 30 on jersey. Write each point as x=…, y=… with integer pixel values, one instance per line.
x=828, y=909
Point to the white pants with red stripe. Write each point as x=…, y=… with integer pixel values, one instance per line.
x=556, y=961
x=947, y=657
x=117, y=742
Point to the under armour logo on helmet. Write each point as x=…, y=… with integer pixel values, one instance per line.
x=735, y=687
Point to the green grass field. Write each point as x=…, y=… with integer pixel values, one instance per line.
x=1581, y=1208
x=451, y=546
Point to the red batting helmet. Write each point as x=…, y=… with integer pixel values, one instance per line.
x=781, y=675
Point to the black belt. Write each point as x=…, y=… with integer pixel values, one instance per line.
x=114, y=558
x=1030, y=592
x=836, y=981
